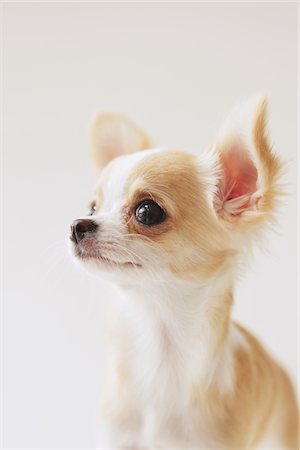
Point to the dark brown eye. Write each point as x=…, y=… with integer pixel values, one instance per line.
x=149, y=213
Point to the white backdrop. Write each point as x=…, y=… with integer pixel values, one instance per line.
x=177, y=69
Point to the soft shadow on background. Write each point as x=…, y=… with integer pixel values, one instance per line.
x=177, y=69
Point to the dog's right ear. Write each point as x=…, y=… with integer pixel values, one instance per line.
x=114, y=135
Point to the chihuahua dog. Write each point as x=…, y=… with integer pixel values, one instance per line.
x=173, y=230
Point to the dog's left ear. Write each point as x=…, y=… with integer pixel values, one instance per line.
x=114, y=135
x=247, y=187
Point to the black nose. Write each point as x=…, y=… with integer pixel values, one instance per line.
x=80, y=228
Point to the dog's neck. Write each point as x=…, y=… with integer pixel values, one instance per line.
x=174, y=300
x=191, y=319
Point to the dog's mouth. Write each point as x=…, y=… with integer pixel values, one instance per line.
x=94, y=254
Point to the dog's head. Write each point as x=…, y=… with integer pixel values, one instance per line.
x=164, y=212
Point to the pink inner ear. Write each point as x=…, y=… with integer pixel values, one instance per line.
x=239, y=182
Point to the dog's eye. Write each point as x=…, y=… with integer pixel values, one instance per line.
x=149, y=213
x=92, y=209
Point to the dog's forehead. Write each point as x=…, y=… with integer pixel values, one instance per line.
x=116, y=174
x=160, y=171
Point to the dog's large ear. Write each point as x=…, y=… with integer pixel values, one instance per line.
x=248, y=171
x=114, y=135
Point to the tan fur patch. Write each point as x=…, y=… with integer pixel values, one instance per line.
x=190, y=234
x=270, y=164
x=262, y=395
x=219, y=318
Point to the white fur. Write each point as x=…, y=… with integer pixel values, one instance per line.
x=168, y=349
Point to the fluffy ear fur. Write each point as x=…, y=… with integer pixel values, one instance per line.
x=115, y=135
x=247, y=187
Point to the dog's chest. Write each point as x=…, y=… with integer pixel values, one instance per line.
x=162, y=365
x=162, y=370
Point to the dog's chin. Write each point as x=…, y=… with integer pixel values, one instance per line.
x=93, y=261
